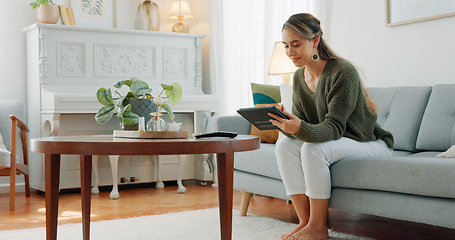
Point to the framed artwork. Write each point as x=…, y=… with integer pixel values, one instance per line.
x=400, y=12
x=94, y=13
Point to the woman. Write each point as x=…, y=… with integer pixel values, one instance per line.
x=332, y=118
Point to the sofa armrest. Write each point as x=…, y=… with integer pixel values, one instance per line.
x=235, y=123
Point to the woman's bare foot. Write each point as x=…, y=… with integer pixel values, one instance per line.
x=288, y=235
x=310, y=232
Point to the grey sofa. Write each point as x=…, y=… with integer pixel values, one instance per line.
x=412, y=185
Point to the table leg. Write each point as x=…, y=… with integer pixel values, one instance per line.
x=96, y=175
x=52, y=180
x=215, y=172
x=86, y=182
x=113, y=159
x=181, y=188
x=159, y=183
x=225, y=164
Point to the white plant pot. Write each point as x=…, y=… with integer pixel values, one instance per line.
x=48, y=13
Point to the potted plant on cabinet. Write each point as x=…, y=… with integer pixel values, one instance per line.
x=137, y=102
x=46, y=11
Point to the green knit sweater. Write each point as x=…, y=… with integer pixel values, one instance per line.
x=336, y=109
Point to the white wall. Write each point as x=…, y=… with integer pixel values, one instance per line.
x=19, y=14
x=413, y=54
x=13, y=73
x=416, y=54
x=199, y=24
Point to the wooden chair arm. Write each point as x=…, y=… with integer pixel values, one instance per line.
x=20, y=124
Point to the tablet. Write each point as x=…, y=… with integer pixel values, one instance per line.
x=258, y=116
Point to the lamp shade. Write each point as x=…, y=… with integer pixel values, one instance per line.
x=180, y=8
x=280, y=63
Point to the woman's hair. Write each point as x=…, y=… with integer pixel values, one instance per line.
x=308, y=27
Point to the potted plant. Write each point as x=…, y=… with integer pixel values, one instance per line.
x=46, y=11
x=138, y=101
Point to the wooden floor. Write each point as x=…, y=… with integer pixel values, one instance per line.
x=146, y=200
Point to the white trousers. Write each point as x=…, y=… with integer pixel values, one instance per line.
x=304, y=167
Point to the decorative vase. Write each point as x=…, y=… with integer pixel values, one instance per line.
x=148, y=16
x=156, y=123
x=47, y=13
x=141, y=22
x=142, y=107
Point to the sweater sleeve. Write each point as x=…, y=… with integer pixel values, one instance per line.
x=341, y=96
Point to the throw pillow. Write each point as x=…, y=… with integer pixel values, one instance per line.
x=450, y=153
x=265, y=94
x=2, y=144
x=5, y=155
x=5, y=158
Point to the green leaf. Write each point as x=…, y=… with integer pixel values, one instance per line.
x=123, y=99
x=139, y=88
x=128, y=118
x=117, y=94
x=175, y=94
x=127, y=108
x=129, y=95
x=168, y=110
x=166, y=87
x=125, y=82
x=120, y=102
x=105, y=113
x=38, y=3
x=104, y=96
x=144, y=92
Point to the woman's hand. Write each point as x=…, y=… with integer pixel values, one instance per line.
x=291, y=125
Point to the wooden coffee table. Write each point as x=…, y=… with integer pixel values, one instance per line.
x=89, y=145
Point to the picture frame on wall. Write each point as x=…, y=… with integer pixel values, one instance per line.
x=94, y=13
x=400, y=12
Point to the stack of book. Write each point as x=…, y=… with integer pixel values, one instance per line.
x=67, y=15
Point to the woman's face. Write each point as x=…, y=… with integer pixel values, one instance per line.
x=298, y=49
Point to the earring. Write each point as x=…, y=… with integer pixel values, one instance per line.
x=315, y=57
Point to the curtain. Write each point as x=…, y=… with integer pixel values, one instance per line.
x=243, y=34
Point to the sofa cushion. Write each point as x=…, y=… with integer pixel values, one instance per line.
x=437, y=131
x=427, y=154
x=419, y=174
x=261, y=161
x=257, y=184
x=235, y=123
x=400, y=112
x=398, y=153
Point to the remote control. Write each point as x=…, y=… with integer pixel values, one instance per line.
x=216, y=134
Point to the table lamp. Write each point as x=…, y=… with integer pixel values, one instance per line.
x=280, y=63
x=180, y=10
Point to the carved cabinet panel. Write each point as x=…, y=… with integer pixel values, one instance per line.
x=67, y=64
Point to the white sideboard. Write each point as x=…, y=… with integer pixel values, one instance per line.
x=67, y=64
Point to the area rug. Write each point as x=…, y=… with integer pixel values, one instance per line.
x=190, y=225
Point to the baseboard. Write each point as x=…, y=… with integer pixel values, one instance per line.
x=4, y=188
